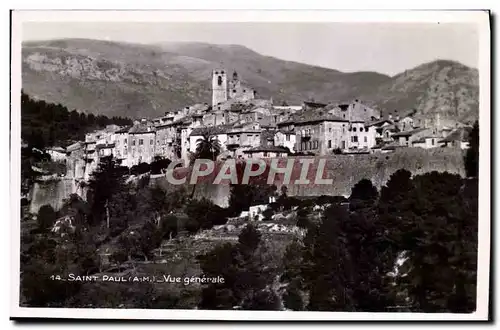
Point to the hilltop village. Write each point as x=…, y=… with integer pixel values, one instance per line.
x=247, y=126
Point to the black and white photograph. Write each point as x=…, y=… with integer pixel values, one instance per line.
x=250, y=165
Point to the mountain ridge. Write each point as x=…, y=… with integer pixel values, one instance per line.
x=146, y=80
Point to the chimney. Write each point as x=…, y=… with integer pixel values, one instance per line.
x=390, y=117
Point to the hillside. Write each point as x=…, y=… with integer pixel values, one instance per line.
x=116, y=78
x=445, y=87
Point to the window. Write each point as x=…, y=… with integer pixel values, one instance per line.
x=303, y=146
x=265, y=154
x=125, y=141
x=316, y=144
x=234, y=90
x=141, y=142
x=309, y=145
x=329, y=143
x=330, y=129
x=366, y=139
x=354, y=138
x=133, y=142
x=244, y=91
x=151, y=142
x=361, y=129
x=288, y=137
x=343, y=116
x=354, y=129
x=433, y=142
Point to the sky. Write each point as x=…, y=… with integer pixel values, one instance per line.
x=388, y=48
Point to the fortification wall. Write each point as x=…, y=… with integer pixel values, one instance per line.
x=50, y=192
x=345, y=171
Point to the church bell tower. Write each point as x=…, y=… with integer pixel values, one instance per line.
x=219, y=87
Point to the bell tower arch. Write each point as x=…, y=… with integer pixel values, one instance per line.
x=219, y=86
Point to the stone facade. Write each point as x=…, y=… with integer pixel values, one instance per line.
x=223, y=89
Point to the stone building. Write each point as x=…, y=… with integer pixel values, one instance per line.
x=141, y=144
x=239, y=91
x=224, y=90
x=318, y=134
x=353, y=111
x=166, y=137
x=285, y=138
x=420, y=137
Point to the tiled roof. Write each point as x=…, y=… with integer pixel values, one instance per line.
x=409, y=133
x=460, y=134
x=73, y=147
x=141, y=129
x=315, y=104
x=123, y=130
x=315, y=119
x=213, y=130
x=379, y=121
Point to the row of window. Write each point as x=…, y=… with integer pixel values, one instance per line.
x=354, y=139
x=310, y=145
x=141, y=142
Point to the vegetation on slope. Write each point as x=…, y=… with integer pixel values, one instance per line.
x=46, y=124
x=121, y=79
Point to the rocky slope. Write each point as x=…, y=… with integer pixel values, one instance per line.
x=116, y=78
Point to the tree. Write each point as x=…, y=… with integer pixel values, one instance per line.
x=365, y=191
x=249, y=239
x=267, y=214
x=46, y=217
x=471, y=159
x=46, y=124
x=247, y=281
x=441, y=244
x=303, y=214
x=203, y=214
x=243, y=196
x=208, y=146
x=292, y=276
x=106, y=180
x=159, y=164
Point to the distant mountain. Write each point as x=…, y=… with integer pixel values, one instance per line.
x=122, y=79
x=448, y=88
